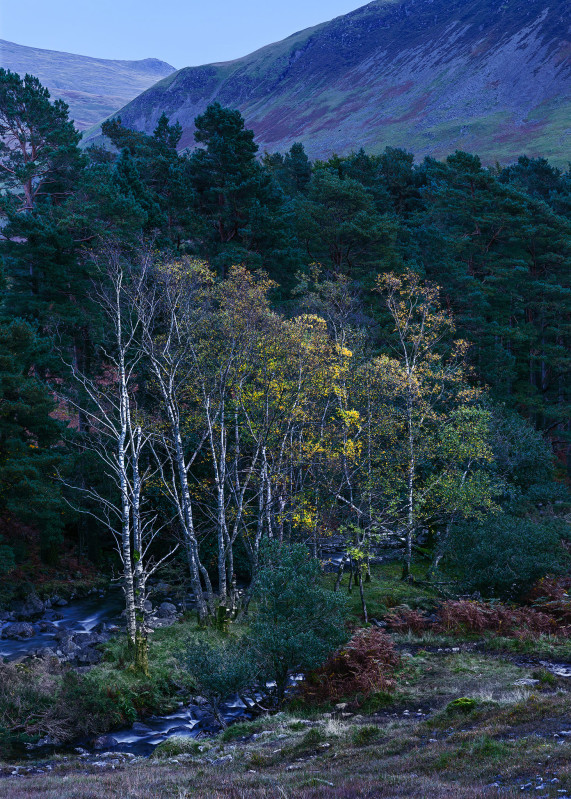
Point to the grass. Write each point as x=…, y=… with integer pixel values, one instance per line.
x=505, y=742
x=459, y=724
x=386, y=591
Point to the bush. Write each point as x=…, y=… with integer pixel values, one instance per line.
x=242, y=729
x=504, y=555
x=402, y=619
x=42, y=697
x=179, y=745
x=297, y=622
x=364, y=667
x=218, y=671
x=467, y=616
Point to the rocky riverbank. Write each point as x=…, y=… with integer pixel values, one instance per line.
x=512, y=738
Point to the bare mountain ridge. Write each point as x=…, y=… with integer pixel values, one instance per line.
x=93, y=88
x=427, y=75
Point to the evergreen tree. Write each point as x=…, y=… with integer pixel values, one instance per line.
x=38, y=143
x=29, y=436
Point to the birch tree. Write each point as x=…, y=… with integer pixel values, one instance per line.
x=122, y=441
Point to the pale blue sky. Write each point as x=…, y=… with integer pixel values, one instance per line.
x=182, y=32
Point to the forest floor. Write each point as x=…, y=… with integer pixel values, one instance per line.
x=513, y=736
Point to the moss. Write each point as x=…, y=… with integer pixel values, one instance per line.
x=180, y=745
x=463, y=704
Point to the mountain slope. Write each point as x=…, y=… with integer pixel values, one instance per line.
x=93, y=88
x=428, y=75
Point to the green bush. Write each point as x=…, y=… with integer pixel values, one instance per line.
x=242, y=729
x=365, y=735
x=180, y=745
x=297, y=622
x=504, y=555
x=218, y=670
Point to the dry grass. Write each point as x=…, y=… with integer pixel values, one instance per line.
x=507, y=735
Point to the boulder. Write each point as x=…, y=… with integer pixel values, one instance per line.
x=30, y=608
x=155, y=623
x=104, y=742
x=47, y=627
x=88, y=656
x=18, y=630
x=46, y=653
x=166, y=609
x=88, y=639
x=140, y=728
x=148, y=606
x=68, y=648
x=48, y=740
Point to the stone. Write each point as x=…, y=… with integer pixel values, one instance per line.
x=154, y=623
x=48, y=740
x=148, y=606
x=47, y=627
x=30, y=608
x=220, y=760
x=104, y=742
x=18, y=630
x=88, y=656
x=140, y=727
x=46, y=653
x=166, y=609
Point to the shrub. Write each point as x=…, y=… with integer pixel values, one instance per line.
x=218, y=671
x=504, y=555
x=365, y=735
x=309, y=741
x=42, y=697
x=242, y=729
x=546, y=678
x=364, y=667
x=179, y=745
x=468, y=616
x=550, y=595
x=403, y=619
x=297, y=622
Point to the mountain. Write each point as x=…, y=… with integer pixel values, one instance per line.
x=93, y=88
x=488, y=76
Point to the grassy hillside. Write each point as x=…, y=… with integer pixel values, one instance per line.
x=428, y=75
x=93, y=88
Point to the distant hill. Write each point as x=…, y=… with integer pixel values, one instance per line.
x=93, y=88
x=489, y=76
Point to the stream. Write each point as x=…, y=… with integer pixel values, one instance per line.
x=81, y=618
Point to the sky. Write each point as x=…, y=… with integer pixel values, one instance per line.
x=181, y=32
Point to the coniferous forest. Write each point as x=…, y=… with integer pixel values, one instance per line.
x=320, y=410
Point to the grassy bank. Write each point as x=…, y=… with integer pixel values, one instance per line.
x=471, y=716
x=418, y=745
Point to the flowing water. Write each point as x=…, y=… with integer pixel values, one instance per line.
x=192, y=720
x=81, y=616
